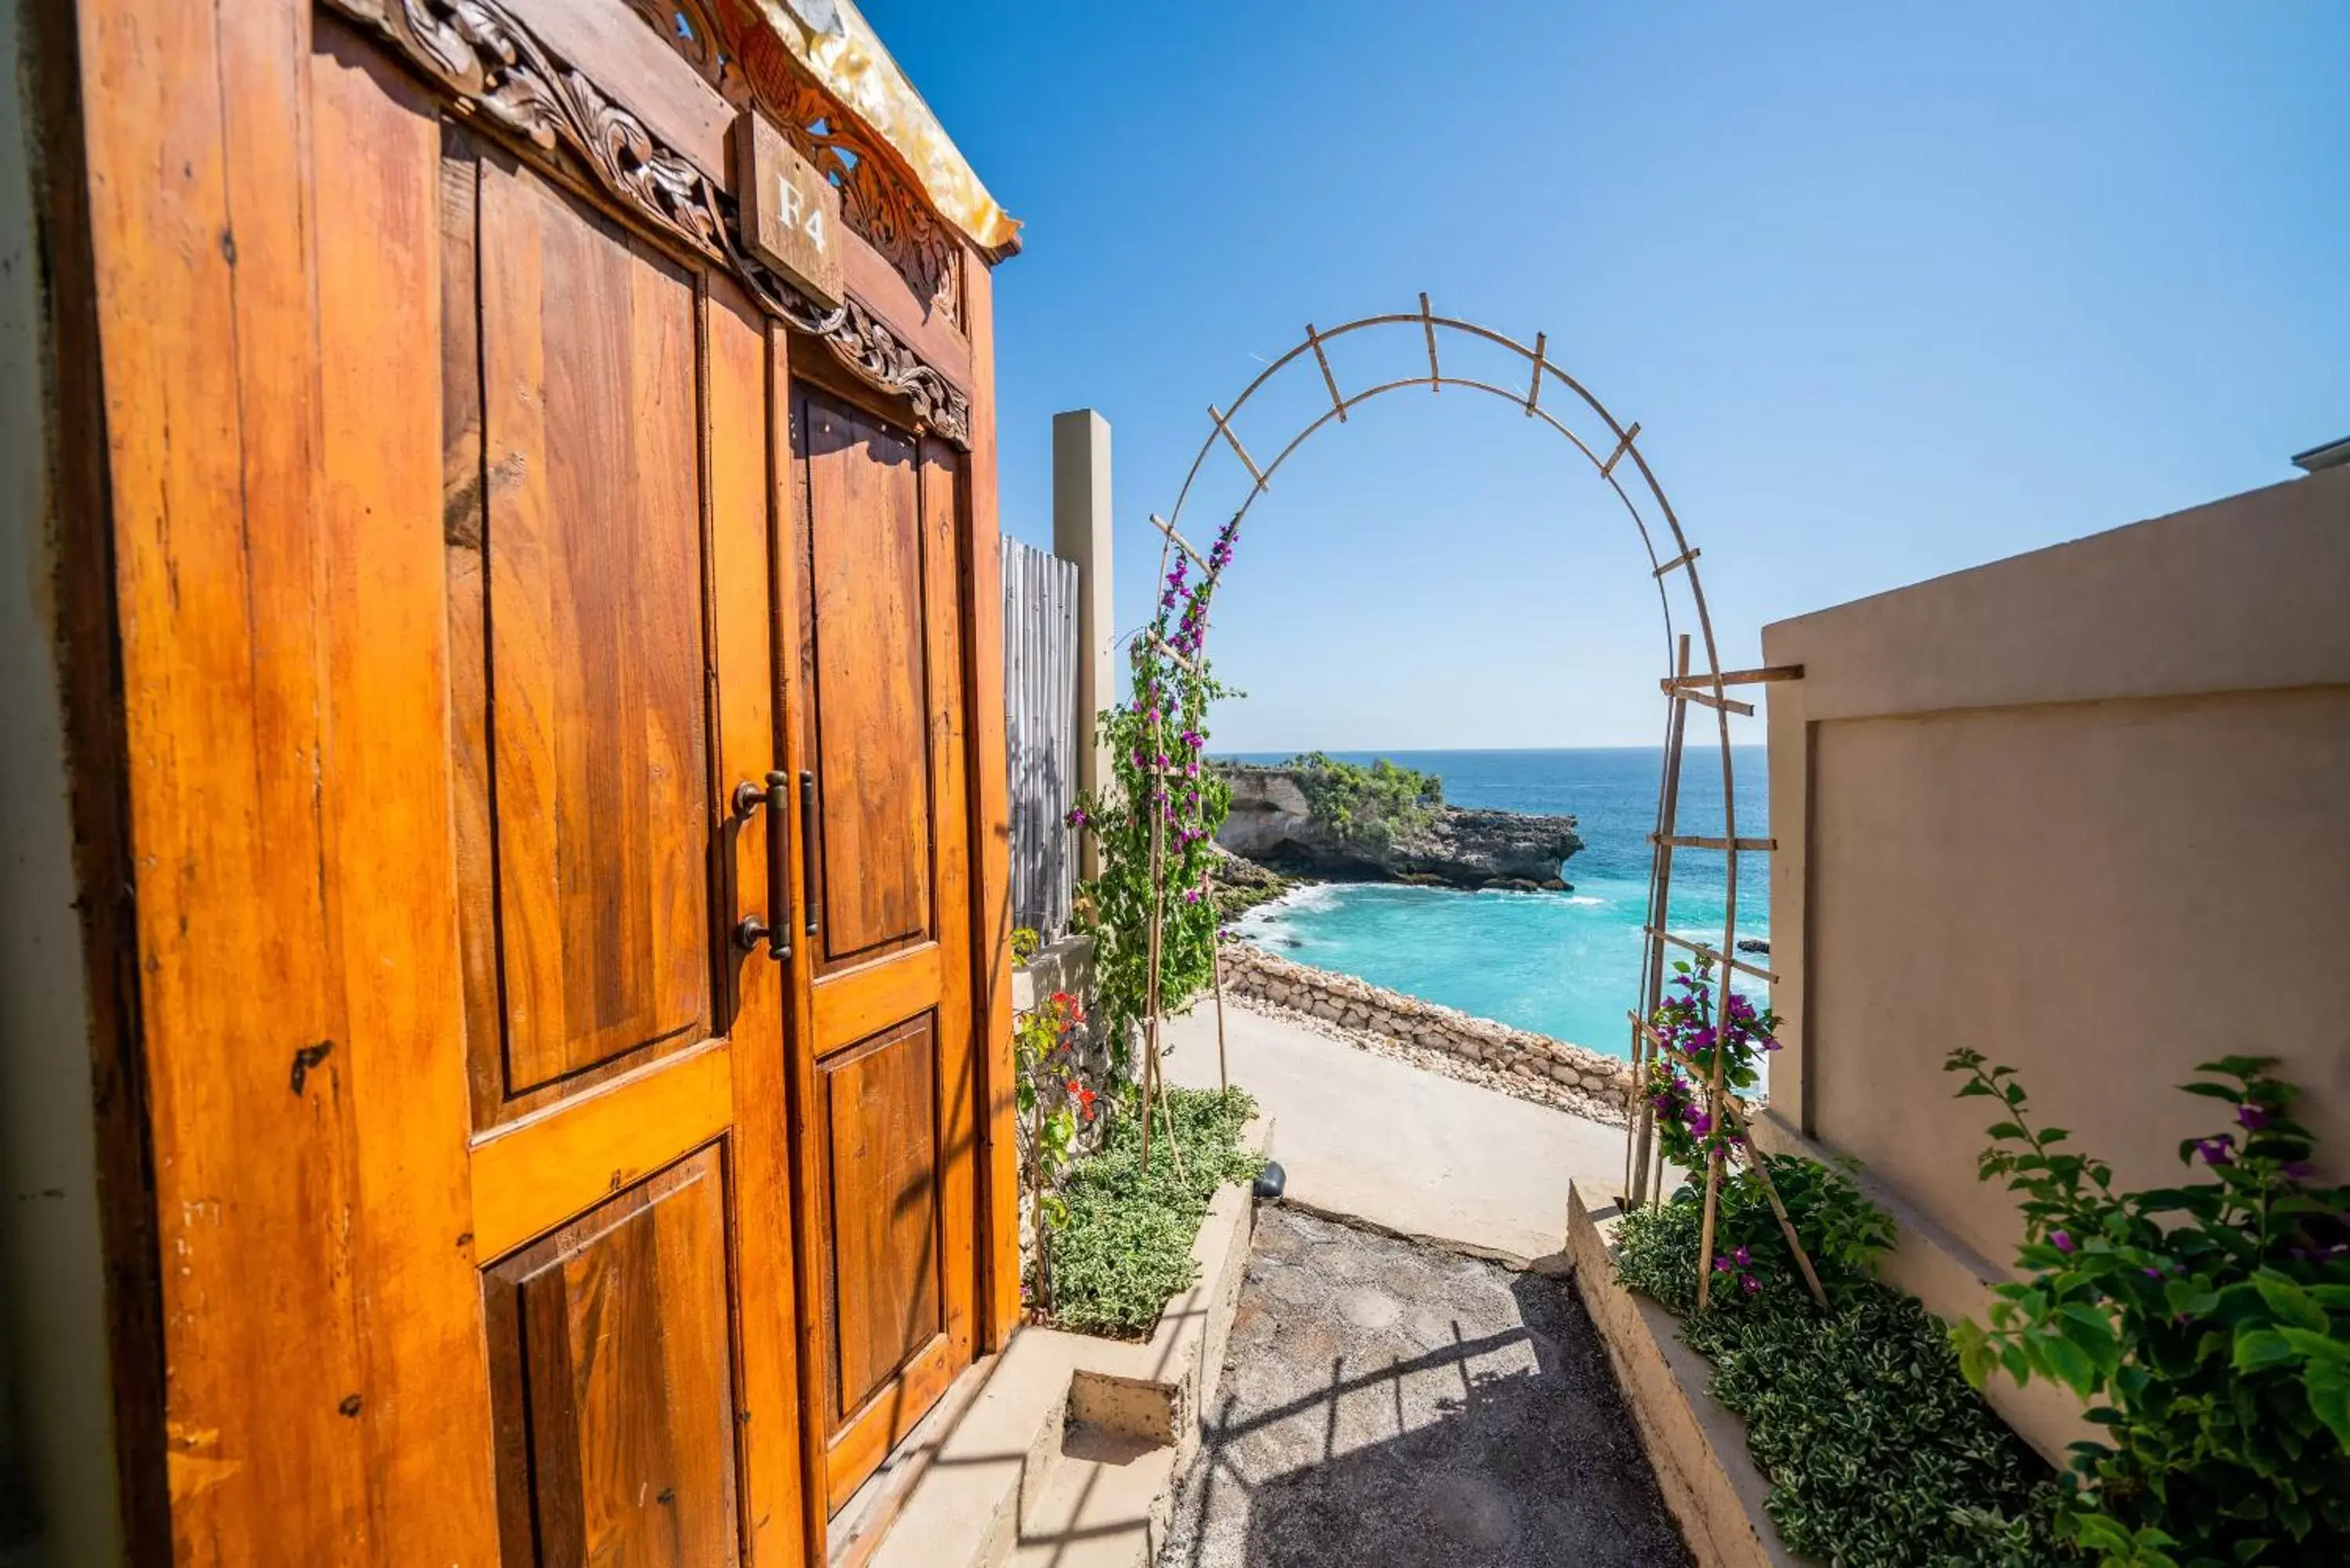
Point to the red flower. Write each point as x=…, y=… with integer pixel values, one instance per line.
x=1085, y=1098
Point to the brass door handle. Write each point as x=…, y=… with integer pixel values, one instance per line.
x=751, y=931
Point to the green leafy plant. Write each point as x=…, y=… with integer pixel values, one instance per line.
x=1879, y=1455
x=1367, y=808
x=1026, y=944
x=1157, y=742
x=1123, y=1248
x=2209, y=1321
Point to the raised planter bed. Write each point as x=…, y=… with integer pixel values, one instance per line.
x=1697, y=1447
x=1068, y=1454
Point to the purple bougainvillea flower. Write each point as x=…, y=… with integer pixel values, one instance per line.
x=1191, y=894
x=2218, y=1150
x=2252, y=1118
x=2062, y=1240
x=1749, y=1283
x=2151, y=1273
x=1076, y=817
x=2297, y=1170
x=1723, y=1265
x=1744, y=1256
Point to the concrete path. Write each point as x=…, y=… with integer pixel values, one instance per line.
x=1412, y=1152
x=1385, y=1405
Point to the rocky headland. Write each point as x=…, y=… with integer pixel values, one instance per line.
x=1313, y=818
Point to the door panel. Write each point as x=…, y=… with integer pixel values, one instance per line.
x=585, y=624
x=614, y=1388
x=880, y=1129
x=869, y=682
x=889, y=1145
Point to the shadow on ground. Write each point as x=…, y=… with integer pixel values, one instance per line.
x=1386, y=1405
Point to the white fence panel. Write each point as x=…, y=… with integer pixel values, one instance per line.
x=1040, y=698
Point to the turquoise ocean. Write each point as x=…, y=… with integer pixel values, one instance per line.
x=1563, y=964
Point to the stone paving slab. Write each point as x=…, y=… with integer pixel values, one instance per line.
x=1388, y=1403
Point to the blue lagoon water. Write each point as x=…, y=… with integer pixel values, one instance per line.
x=1563, y=964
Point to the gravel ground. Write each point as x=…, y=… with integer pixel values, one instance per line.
x=1388, y=1404
x=1541, y=1091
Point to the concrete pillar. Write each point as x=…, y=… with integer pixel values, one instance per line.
x=1081, y=533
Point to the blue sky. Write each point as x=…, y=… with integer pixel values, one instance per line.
x=1892, y=290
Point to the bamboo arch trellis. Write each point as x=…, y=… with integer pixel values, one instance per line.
x=1683, y=686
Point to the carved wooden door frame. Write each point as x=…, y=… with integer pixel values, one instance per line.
x=168, y=424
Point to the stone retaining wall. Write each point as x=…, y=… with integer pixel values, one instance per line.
x=1343, y=999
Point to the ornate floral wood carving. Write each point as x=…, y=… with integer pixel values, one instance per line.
x=492, y=65
x=875, y=200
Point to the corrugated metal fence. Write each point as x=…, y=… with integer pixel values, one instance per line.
x=1040, y=699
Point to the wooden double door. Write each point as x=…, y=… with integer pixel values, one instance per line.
x=557, y=933
x=707, y=675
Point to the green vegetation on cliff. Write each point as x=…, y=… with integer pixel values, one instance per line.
x=1367, y=808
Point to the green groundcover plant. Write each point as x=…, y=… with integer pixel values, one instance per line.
x=2209, y=1324
x=1122, y=1247
x=1879, y=1455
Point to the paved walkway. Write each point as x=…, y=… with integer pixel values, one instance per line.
x=1388, y=1404
x=1409, y=1151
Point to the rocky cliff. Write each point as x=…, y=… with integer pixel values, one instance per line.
x=1274, y=823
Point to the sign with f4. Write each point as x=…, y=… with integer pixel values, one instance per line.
x=791, y=213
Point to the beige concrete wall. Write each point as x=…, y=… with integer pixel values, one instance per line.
x=2086, y=810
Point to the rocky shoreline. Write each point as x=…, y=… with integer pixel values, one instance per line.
x=1274, y=823
x=1441, y=1039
